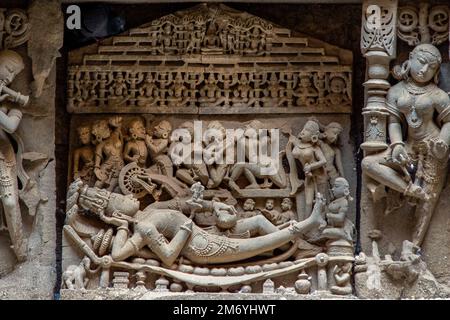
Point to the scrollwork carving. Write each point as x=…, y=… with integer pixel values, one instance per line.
x=14, y=28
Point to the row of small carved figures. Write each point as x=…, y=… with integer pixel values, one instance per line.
x=234, y=39
x=106, y=149
x=226, y=86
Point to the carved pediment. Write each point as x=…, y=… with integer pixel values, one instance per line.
x=209, y=59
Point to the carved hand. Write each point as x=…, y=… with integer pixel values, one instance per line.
x=307, y=168
x=399, y=154
x=439, y=148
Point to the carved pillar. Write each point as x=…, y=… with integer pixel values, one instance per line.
x=378, y=45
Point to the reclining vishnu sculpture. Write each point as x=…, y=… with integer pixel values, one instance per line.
x=170, y=234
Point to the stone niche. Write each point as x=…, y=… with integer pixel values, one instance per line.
x=130, y=95
x=28, y=236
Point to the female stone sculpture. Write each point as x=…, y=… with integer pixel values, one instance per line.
x=332, y=152
x=11, y=64
x=412, y=103
x=305, y=148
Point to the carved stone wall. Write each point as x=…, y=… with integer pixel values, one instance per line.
x=214, y=64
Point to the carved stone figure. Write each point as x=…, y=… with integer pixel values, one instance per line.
x=287, y=214
x=84, y=157
x=337, y=95
x=270, y=212
x=158, y=145
x=169, y=234
x=342, y=277
x=305, y=148
x=11, y=64
x=215, y=153
x=188, y=171
x=249, y=209
x=338, y=226
x=331, y=151
x=108, y=152
x=257, y=167
x=76, y=276
x=136, y=148
x=411, y=104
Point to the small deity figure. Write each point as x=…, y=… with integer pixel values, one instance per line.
x=337, y=95
x=273, y=93
x=338, y=226
x=305, y=148
x=177, y=92
x=136, y=147
x=148, y=91
x=249, y=209
x=158, y=145
x=165, y=38
x=85, y=86
x=209, y=92
x=267, y=167
x=306, y=94
x=108, y=152
x=84, y=157
x=412, y=104
x=11, y=64
x=270, y=212
x=211, y=39
x=119, y=87
x=243, y=93
x=286, y=214
x=332, y=153
x=215, y=154
x=76, y=276
x=254, y=44
x=188, y=171
x=342, y=278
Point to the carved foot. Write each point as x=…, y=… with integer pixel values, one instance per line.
x=253, y=186
x=416, y=192
x=233, y=186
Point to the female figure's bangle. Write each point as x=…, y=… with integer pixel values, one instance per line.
x=401, y=143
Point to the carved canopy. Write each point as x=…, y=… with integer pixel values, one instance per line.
x=209, y=60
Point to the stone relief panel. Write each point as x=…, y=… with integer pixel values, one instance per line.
x=27, y=219
x=211, y=162
x=194, y=62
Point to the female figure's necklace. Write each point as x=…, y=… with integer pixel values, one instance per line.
x=416, y=90
x=413, y=118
